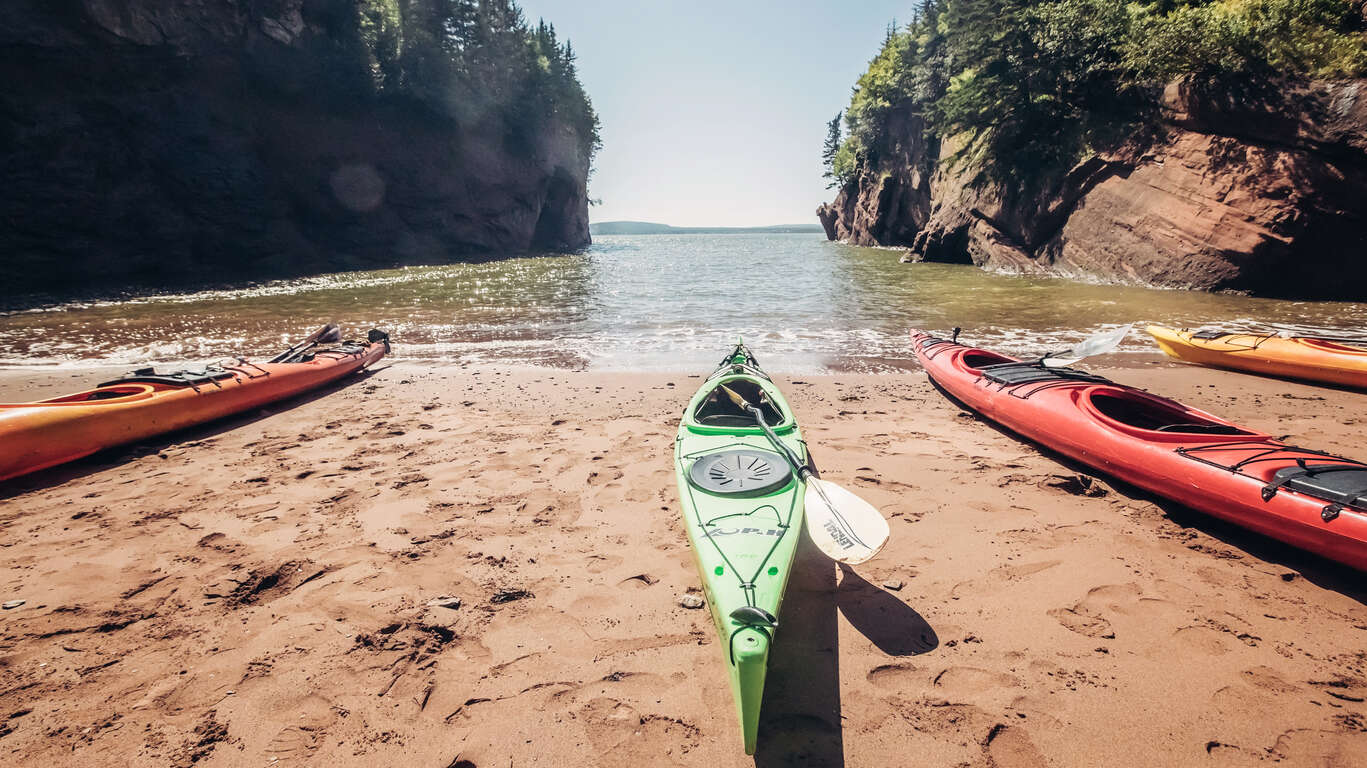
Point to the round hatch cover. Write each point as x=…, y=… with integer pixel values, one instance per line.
x=749, y=472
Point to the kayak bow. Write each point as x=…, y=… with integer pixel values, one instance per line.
x=742, y=510
x=1306, y=498
x=146, y=403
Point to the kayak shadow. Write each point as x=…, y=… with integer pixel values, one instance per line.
x=117, y=455
x=881, y=617
x=1317, y=570
x=800, y=721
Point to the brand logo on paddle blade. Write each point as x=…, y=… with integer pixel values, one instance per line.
x=838, y=534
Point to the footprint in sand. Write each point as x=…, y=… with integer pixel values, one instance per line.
x=975, y=680
x=1009, y=746
x=628, y=737
x=899, y=677
x=1305, y=746
x=593, y=606
x=1038, y=710
x=1202, y=640
x=1020, y=572
x=1081, y=621
x=1086, y=617
x=1267, y=679
x=601, y=563
x=310, y=719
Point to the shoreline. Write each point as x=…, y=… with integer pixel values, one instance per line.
x=17, y=379
x=271, y=587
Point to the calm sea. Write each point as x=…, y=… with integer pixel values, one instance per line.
x=653, y=302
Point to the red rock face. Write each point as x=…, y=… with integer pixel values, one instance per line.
x=1265, y=194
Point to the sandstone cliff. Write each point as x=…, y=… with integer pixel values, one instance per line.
x=167, y=140
x=1262, y=192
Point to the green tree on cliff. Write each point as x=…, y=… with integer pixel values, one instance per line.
x=476, y=62
x=829, y=150
x=1026, y=88
x=1048, y=79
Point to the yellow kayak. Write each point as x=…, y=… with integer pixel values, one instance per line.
x=1298, y=357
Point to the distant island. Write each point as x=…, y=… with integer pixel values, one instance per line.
x=651, y=228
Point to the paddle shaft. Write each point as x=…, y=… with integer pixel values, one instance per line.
x=803, y=471
x=312, y=339
x=808, y=476
x=801, y=467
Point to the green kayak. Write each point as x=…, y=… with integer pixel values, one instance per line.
x=742, y=509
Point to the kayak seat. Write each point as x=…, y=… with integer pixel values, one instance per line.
x=184, y=378
x=1340, y=483
x=1033, y=372
x=1203, y=429
x=979, y=359
x=717, y=410
x=1157, y=416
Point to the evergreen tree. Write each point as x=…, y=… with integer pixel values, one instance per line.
x=474, y=61
x=831, y=147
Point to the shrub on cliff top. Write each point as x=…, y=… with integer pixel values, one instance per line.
x=1312, y=38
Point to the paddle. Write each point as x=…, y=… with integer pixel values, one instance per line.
x=844, y=526
x=325, y=335
x=1098, y=344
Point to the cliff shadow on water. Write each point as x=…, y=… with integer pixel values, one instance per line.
x=147, y=145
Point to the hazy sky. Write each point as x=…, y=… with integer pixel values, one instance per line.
x=714, y=112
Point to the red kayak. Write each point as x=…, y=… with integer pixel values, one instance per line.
x=1305, y=498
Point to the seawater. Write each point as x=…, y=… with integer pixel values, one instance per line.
x=643, y=302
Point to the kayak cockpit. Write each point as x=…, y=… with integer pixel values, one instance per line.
x=977, y=359
x=1152, y=414
x=114, y=394
x=1328, y=345
x=718, y=410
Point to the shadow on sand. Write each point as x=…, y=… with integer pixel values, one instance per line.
x=890, y=624
x=117, y=455
x=800, y=721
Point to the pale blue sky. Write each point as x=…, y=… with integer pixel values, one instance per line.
x=714, y=112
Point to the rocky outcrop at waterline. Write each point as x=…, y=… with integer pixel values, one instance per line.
x=1264, y=193
x=152, y=141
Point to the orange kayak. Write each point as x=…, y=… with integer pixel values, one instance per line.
x=1299, y=357
x=145, y=403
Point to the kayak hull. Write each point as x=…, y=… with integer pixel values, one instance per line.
x=47, y=433
x=742, y=545
x=1162, y=446
x=1308, y=359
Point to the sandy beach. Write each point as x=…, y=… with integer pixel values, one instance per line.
x=482, y=566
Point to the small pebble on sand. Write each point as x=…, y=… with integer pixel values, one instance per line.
x=691, y=601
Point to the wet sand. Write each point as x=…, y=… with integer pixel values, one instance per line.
x=282, y=589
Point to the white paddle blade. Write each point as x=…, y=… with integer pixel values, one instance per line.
x=848, y=529
x=1099, y=344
